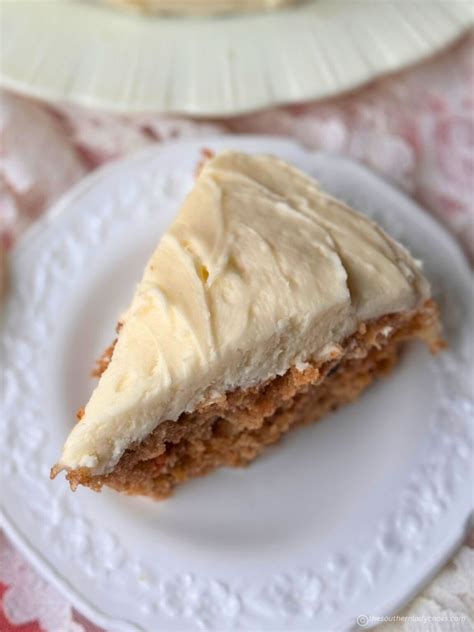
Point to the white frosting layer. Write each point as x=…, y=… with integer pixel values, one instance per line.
x=260, y=271
x=203, y=6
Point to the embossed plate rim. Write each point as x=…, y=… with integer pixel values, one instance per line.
x=250, y=143
x=65, y=69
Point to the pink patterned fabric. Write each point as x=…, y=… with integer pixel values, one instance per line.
x=415, y=128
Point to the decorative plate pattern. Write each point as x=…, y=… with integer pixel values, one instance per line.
x=132, y=564
x=121, y=61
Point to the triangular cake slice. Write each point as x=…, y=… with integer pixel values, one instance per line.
x=266, y=304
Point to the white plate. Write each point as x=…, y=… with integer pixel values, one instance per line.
x=93, y=55
x=345, y=518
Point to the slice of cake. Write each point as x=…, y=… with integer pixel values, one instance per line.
x=267, y=304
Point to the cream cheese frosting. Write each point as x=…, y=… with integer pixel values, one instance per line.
x=203, y=6
x=260, y=271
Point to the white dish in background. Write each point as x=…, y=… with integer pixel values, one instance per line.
x=98, y=56
x=344, y=518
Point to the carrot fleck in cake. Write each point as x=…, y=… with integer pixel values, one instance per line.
x=267, y=304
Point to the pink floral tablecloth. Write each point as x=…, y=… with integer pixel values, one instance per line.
x=415, y=128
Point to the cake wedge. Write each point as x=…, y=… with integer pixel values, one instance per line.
x=266, y=304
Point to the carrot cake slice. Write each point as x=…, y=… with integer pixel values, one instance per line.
x=266, y=304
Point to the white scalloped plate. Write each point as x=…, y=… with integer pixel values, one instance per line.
x=345, y=518
x=76, y=51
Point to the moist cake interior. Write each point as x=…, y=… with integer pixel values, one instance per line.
x=235, y=429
